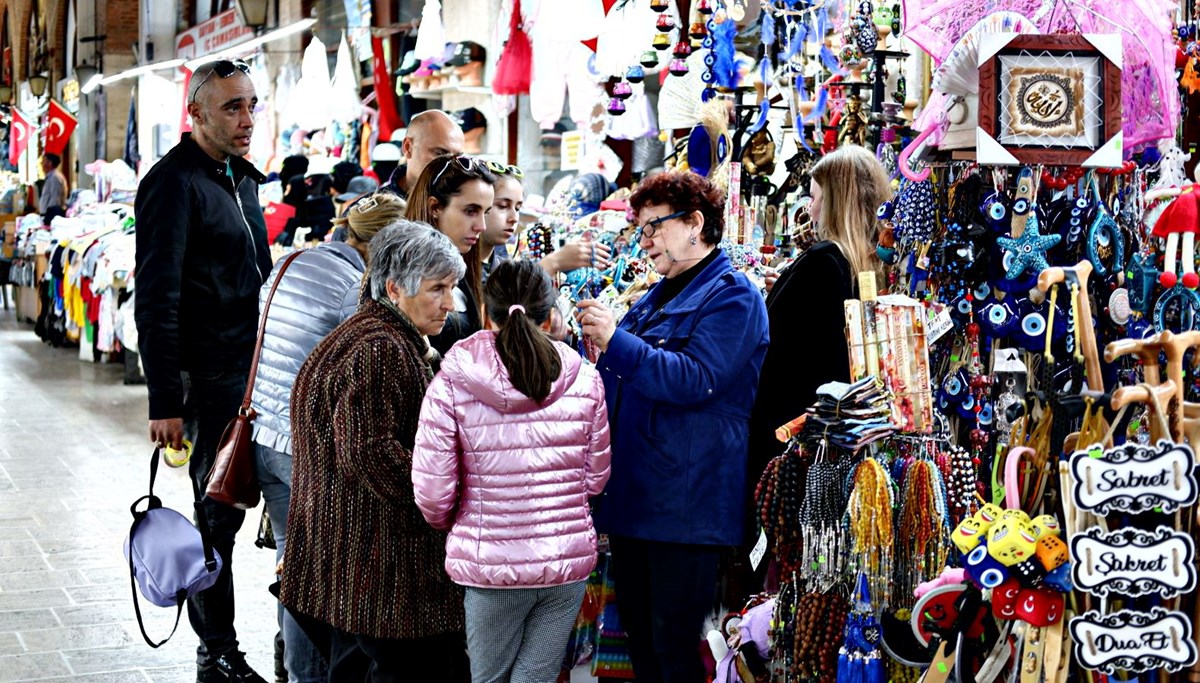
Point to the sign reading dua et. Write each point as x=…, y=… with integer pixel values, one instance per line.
x=1128, y=562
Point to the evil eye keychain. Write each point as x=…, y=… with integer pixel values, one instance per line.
x=1183, y=300
x=1104, y=238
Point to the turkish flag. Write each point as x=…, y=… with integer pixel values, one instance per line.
x=19, y=132
x=59, y=127
x=385, y=97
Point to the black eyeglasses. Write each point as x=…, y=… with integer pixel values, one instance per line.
x=650, y=228
x=500, y=169
x=466, y=163
x=223, y=68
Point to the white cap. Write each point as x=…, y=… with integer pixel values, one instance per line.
x=385, y=151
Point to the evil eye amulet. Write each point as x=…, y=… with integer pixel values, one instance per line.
x=984, y=570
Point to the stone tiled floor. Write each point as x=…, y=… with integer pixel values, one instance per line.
x=73, y=456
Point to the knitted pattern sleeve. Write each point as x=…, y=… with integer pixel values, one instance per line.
x=379, y=461
x=436, y=467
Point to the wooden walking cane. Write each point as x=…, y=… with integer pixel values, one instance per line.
x=1076, y=278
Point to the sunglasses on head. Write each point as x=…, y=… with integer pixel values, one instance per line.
x=466, y=163
x=223, y=68
x=500, y=169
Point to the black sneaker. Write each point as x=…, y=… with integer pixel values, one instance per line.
x=227, y=667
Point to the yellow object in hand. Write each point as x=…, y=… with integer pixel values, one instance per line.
x=178, y=458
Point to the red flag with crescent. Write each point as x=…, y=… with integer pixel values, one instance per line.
x=59, y=127
x=19, y=132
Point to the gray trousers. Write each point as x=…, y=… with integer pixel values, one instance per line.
x=519, y=635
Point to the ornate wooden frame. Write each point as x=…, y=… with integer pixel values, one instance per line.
x=1056, y=44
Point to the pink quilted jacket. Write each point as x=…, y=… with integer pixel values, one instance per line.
x=511, y=479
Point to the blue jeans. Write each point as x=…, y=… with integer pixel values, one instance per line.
x=274, y=469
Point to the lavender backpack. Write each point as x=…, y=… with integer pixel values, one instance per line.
x=169, y=558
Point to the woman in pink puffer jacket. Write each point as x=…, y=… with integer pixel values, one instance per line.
x=513, y=441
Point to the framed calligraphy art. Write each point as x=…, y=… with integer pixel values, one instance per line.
x=1050, y=99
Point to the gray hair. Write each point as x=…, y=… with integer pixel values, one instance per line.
x=407, y=252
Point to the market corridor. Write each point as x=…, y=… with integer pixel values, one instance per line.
x=73, y=456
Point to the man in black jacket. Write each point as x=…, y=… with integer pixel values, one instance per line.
x=202, y=256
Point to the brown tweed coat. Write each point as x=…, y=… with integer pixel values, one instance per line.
x=359, y=554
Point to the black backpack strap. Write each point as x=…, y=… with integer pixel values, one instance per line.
x=210, y=560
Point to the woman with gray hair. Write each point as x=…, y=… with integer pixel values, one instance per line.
x=360, y=557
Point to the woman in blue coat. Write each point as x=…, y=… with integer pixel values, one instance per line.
x=680, y=373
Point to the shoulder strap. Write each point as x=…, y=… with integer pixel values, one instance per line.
x=262, y=330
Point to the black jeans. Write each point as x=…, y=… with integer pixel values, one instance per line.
x=664, y=592
x=210, y=401
x=435, y=659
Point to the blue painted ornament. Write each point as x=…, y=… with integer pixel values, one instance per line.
x=1028, y=252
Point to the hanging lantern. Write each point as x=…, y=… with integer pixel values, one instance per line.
x=622, y=91
x=649, y=59
x=661, y=41
x=616, y=107
x=665, y=22
x=704, y=7
x=697, y=30
x=659, y=5
x=636, y=74
x=678, y=67
x=682, y=50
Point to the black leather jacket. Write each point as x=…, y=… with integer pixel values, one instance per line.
x=202, y=256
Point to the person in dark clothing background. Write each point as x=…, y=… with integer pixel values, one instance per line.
x=201, y=259
x=808, y=340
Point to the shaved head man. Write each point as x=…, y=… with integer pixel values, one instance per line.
x=430, y=134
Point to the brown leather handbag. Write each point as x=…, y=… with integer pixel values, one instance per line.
x=232, y=480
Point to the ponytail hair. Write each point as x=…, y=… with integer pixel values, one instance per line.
x=519, y=296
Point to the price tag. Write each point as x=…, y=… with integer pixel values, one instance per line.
x=759, y=550
x=939, y=324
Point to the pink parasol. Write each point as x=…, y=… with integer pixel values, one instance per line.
x=1149, y=101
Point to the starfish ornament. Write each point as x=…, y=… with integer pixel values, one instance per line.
x=1029, y=250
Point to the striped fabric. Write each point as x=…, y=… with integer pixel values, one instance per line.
x=518, y=635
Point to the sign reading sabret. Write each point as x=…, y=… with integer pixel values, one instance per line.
x=1132, y=563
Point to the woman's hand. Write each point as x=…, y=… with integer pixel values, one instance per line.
x=598, y=322
x=770, y=275
x=579, y=253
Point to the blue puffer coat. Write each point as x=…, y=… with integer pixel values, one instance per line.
x=680, y=383
x=319, y=291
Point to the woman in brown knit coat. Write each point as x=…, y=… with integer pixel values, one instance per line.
x=359, y=555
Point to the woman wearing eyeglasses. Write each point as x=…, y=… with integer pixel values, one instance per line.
x=454, y=194
x=680, y=373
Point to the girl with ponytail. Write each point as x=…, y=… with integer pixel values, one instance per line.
x=513, y=440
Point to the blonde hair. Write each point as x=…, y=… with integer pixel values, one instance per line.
x=853, y=185
x=372, y=214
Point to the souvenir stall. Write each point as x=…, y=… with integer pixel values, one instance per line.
x=1005, y=489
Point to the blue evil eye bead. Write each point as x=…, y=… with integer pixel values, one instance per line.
x=954, y=385
x=982, y=291
x=997, y=211
x=966, y=409
x=709, y=59
x=999, y=319
x=1081, y=203
x=1034, y=324
x=635, y=74
x=708, y=77
x=885, y=211
x=996, y=314
x=963, y=306
x=1021, y=206
x=986, y=415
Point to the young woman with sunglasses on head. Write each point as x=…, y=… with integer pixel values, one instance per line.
x=454, y=195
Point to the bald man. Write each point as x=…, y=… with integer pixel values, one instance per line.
x=201, y=258
x=430, y=134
